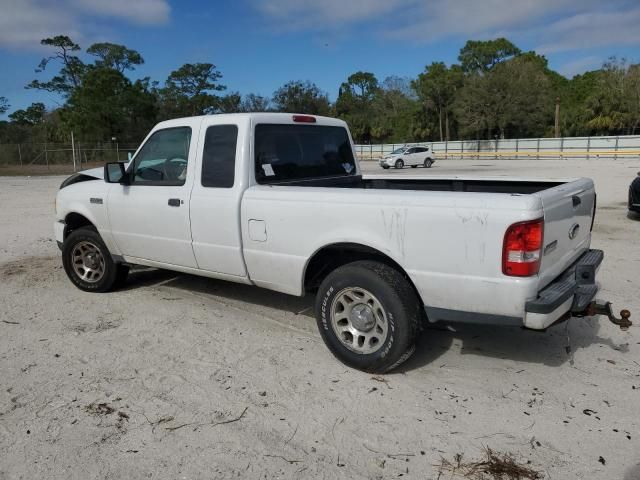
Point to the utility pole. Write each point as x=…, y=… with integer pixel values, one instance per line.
x=73, y=152
x=114, y=139
x=557, y=124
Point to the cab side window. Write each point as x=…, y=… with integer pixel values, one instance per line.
x=163, y=158
x=219, y=156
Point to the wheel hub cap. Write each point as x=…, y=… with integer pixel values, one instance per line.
x=359, y=320
x=362, y=317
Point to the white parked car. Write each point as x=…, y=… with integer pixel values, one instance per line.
x=409, y=157
x=278, y=201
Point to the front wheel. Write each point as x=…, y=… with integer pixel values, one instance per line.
x=368, y=316
x=386, y=167
x=399, y=163
x=88, y=263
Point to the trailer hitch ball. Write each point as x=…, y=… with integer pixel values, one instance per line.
x=623, y=322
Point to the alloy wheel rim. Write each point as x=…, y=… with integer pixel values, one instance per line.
x=88, y=262
x=359, y=320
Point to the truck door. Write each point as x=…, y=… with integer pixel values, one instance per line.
x=150, y=217
x=217, y=194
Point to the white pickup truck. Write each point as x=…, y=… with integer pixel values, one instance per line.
x=278, y=201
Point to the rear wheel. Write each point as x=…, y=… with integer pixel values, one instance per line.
x=427, y=163
x=399, y=163
x=87, y=261
x=368, y=315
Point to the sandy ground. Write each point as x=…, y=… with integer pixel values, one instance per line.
x=181, y=377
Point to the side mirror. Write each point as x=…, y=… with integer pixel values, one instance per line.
x=114, y=172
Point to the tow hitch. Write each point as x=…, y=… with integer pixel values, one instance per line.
x=598, y=308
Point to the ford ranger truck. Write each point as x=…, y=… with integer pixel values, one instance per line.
x=279, y=201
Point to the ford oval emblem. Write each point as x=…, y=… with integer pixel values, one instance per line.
x=573, y=231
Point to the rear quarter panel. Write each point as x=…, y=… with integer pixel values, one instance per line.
x=449, y=243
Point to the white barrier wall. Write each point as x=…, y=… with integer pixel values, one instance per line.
x=620, y=146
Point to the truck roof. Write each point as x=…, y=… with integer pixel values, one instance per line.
x=259, y=117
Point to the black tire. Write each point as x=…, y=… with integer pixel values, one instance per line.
x=414, y=166
x=399, y=163
x=427, y=163
x=400, y=309
x=89, y=236
x=386, y=167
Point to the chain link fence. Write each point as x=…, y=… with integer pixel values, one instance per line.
x=59, y=158
x=66, y=158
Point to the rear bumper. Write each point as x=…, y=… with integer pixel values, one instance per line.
x=571, y=292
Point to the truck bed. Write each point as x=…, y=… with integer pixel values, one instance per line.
x=484, y=185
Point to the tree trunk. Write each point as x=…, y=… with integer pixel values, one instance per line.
x=446, y=123
x=440, y=119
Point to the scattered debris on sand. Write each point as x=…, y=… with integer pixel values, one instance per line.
x=495, y=466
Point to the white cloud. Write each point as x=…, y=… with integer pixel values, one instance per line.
x=323, y=15
x=149, y=12
x=23, y=23
x=550, y=25
x=592, y=30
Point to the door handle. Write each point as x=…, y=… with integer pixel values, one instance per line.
x=174, y=202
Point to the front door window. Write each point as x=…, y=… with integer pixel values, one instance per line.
x=163, y=158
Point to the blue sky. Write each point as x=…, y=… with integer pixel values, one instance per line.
x=258, y=45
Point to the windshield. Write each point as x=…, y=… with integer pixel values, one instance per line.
x=286, y=152
x=398, y=150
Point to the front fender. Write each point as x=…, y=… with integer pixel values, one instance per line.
x=88, y=199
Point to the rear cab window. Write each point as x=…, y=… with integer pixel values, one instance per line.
x=286, y=152
x=219, y=156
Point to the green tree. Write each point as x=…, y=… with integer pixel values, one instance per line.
x=362, y=86
x=393, y=110
x=614, y=105
x=188, y=90
x=32, y=115
x=437, y=87
x=355, y=104
x=482, y=56
x=4, y=105
x=255, y=103
x=71, y=72
x=301, y=97
x=229, y=103
x=108, y=105
x=112, y=55
x=513, y=99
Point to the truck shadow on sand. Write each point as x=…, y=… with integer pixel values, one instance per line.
x=552, y=348
x=507, y=343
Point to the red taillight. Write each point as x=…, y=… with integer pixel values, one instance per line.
x=304, y=119
x=522, y=248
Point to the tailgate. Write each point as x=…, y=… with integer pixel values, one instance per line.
x=568, y=210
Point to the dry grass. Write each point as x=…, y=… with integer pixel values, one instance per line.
x=495, y=466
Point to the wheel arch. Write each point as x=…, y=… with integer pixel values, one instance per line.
x=331, y=256
x=75, y=220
